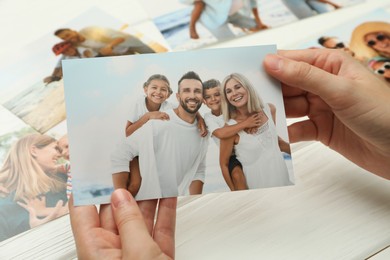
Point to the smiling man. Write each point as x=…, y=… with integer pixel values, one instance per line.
x=171, y=153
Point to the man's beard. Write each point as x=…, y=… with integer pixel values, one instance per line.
x=187, y=109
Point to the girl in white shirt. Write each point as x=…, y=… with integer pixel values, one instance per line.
x=151, y=106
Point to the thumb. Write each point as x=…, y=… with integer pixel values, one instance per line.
x=302, y=75
x=130, y=222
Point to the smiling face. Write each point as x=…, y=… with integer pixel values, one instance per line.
x=379, y=41
x=64, y=147
x=190, y=95
x=212, y=98
x=46, y=156
x=382, y=68
x=157, y=91
x=333, y=43
x=236, y=94
x=69, y=35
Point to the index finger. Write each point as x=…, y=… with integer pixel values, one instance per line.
x=82, y=219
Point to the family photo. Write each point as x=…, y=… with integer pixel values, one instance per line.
x=35, y=167
x=33, y=90
x=366, y=38
x=175, y=125
x=192, y=24
x=35, y=180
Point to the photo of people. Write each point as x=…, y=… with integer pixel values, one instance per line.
x=148, y=128
x=34, y=171
x=366, y=38
x=32, y=86
x=308, y=8
x=188, y=24
x=192, y=24
x=370, y=42
x=35, y=167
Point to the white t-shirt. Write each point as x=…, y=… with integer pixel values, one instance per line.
x=171, y=154
x=236, y=6
x=138, y=109
x=213, y=123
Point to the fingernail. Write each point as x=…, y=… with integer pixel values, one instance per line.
x=120, y=197
x=273, y=62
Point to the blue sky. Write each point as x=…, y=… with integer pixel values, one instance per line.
x=92, y=86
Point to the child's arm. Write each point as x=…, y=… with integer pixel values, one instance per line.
x=230, y=130
x=225, y=151
x=201, y=125
x=132, y=127
x=196, y=12
x=120, y=180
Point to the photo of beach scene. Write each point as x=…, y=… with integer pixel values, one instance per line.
x=35, y=167
x=348, y=37
x=98, y=108
x=31, y=83
x=174, y=19
x=25, y=155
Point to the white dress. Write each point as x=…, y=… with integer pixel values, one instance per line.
x=260, y=155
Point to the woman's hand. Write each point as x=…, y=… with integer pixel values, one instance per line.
x=125, y=230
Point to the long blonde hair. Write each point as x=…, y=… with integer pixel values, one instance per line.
x=22, y=174
x=255, y=103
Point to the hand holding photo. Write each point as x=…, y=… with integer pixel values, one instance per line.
x=129, y=127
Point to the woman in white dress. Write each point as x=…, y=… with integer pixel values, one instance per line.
x=259, y=153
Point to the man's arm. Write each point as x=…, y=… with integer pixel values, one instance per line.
x=196, y=186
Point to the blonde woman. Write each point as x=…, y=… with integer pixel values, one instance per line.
x=33, y=191
x=371, y=39
x=259, y=153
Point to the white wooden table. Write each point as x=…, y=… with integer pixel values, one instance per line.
x=335, y=211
